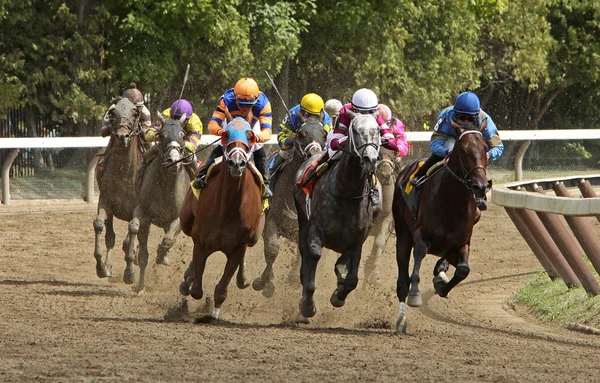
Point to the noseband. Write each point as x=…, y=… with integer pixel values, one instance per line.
x=311, y=145
x=466, y=179
x=358, y=151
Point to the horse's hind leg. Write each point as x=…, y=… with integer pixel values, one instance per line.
x=404, y=244
x=199, y=264
x=143, y=253
x=271, y=248
x=372, y=263
x=102, y=269
x=167, y=242
x=234, y=261
x=439, y=273
x=133, y=230
x=461, y=272
x=241, y=280
x=349, y=283
x=310, y=250
x=419, y=251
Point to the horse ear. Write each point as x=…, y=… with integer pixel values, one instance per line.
x=160, y=117
x=251, y=137
x=455, y=125
x=224, y=137
x=351, y=114
x=182, y=119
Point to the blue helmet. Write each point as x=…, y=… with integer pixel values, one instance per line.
x=467, y=103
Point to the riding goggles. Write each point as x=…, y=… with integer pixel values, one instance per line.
x=245, y=99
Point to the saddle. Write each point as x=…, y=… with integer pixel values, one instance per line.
x=411, y=194
x=214, y=169
x=310, y=175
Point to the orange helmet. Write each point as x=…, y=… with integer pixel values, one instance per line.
x=246, y=91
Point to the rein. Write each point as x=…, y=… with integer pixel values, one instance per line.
x=465, y=179
x=312, y=145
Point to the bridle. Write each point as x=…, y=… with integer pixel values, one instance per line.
x=351, y=147
x=466, y=179
x=303, y=150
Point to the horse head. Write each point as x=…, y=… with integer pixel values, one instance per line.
x=171, y=140
x=123, y=119
x=388, y=166
x=364, y=140
x=310, y=137
x=468, y=159
x=237, y=140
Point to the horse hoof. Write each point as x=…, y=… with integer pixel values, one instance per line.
x=258, y=284
x=196, y=293
x=439, y=286
x=415, y=300
x=184, y=289
x=163, y=261
x=302, y=319
x=400, y=326
x=242, y=284
x=103, y=271
x=139, y=290
x=269, y=290
x=308, y=311
x=335, y=301
x=129, y=277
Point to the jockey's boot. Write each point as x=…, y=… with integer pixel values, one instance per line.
x=275, y=169
x=260, y=160
x=422, y=172
x=200, y=180
x=318, y=169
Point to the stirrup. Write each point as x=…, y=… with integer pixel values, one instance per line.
x=268, y=192
x=200, y=181
x=417, y=180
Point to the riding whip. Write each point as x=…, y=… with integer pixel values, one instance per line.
x=185, y=78
x=280, y=97
x=192, y=154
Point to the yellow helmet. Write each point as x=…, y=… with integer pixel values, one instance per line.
x=312, y=103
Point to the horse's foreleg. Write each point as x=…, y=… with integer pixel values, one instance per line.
x=419, y=252
x=133, y=230
x=350, y=281
x=404, y=244
x=102, y=269
x=199, y=263
x=167, y=242
x=310, y=250
x=271, y=249
x=143, y=253
x=186, y=214
x=381, y=237
x=461, y=272
x=241, y=280
x=234, y=260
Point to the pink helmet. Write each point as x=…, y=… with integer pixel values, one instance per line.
x=385, y=111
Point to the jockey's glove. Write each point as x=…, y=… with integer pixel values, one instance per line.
x=190, y=147
x=150, y=135
x=342, y=140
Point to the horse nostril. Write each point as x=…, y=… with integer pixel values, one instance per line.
x=242, y=163
x=230, y=163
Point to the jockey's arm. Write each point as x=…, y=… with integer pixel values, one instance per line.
x=438, y=144
x=193, y=133
x=492, y=138
x=265, y=117
x=284, y=135
x=215, y=124
x=401, y=140
x=337, y=135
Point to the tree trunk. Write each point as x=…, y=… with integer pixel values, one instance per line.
x=31, y=125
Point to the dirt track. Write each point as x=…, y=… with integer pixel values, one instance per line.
x=59, y=322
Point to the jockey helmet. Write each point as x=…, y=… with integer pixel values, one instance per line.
x=467, y=103
x=385, y=111
x=312, y=103
x=181, y=107
x=333, y=106
x=246, y=91
x=133, y=94
x=364, y=101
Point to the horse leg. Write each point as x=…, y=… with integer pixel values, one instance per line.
x=198, y=264
x=439, y=274
x=341, y=269
x=167, y=242
x=404, y=244
x=310, y=250
x=188, y=280
x=234, y=260
x=271, y=249
x=143, y=253
x=372, y=264
x=241, y=280
x=349, y=283
x=186, y=214
x=419, y=252
x=102, y=269
x=133, y=230
x=461, y=272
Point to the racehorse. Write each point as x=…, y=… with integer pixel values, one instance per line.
x=441, y=222
x=116, y=175
x=387, y=172
x=226, y=217
x=160, y=197
x=281, y=217
x=339, y=214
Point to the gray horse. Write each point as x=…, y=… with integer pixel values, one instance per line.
x=339, y=214
x=281, y=218
x=160, y=198
x=387, y=172
x=116, y=175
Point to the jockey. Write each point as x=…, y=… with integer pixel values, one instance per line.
x=311, y=104
x=332, y=107
x=137, y=98
x=193, y=133
x=247, y=101
x=364, y=101
x=466, y=111
x=397, y=128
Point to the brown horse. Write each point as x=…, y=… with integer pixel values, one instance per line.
x=441, y=222
x=116, y=180
x=226, y=217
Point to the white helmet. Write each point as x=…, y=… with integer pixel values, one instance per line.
x=332, y=107
x=364, y=101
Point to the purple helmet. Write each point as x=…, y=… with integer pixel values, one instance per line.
x=180, y=107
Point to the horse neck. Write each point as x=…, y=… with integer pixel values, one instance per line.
x=350, y=177
x=231, y=190
x=128, y=157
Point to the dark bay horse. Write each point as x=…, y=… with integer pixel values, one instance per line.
x=116, y=175
x=387, y=173
x=281, y=218
x=227, y=217
x=443, y=222
x=339, y=214
x=160, y=198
